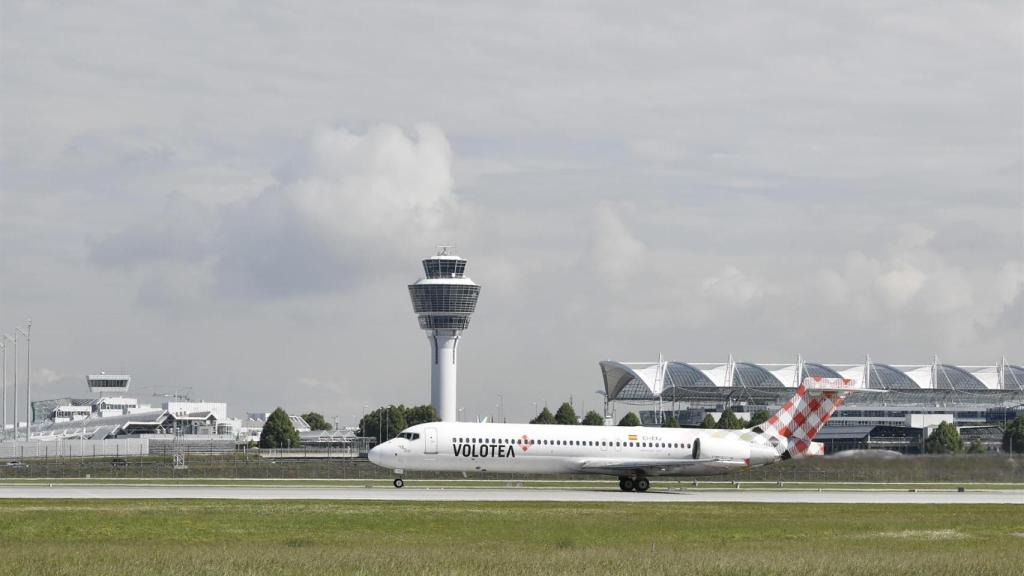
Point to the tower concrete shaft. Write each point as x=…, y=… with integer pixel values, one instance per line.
x=443, y=376
x=444, y=299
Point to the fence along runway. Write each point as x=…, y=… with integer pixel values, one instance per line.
x=423, y=494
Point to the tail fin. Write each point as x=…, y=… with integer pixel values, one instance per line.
x=806, y=412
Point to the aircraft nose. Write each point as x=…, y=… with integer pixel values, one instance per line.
x=376, y=454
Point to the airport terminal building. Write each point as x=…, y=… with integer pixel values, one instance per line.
x=911, y=397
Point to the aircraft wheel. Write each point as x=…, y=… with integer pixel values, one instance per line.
x=642, y=484
x=626, y=484
x=399, y=482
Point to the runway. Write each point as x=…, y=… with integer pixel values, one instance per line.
x=421, y=494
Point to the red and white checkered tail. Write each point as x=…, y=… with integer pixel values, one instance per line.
x=806, y=412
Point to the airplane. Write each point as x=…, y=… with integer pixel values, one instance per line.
x=632, y=453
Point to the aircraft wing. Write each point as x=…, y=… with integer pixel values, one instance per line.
x=659, y=467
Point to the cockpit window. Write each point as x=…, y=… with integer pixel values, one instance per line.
x=409, y=435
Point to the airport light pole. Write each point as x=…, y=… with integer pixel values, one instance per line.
x=3, y=397
x=27, y=333
x=14, y=436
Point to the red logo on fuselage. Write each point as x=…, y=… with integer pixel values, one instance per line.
x=524, y=443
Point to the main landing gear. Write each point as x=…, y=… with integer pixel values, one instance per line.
x=640, y=484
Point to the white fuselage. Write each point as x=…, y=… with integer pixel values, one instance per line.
x=554, y=449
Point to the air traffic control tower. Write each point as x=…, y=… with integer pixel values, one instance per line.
x=444, y=301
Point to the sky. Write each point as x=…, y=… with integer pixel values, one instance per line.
x=228, y=199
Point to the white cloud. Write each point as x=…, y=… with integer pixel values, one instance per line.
x=732, y=287
x=619, y=257
x=899, y=284
x=354, y=203
x=382, y=187
x=46, y=376
x=357, y=205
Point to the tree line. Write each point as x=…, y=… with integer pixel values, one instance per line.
x=386, y=422
x=279, y=432
x=567, y=415
x=945, y=439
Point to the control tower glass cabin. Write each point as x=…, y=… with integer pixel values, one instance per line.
x=444, y=300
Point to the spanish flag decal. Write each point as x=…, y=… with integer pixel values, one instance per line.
x=632, y=437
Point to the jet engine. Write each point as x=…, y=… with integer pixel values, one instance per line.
x=720, y=449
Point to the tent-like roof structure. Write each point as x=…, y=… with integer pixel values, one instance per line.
x=675, y=380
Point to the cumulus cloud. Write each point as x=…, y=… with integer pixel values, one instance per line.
x=352, y=204
x=180, y=231
x=615, y=253
x=358, y=203
x=911, y=288
x=382, y=187
x=899, y=284
x=732, y=286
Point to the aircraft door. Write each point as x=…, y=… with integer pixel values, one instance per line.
x=430, y=441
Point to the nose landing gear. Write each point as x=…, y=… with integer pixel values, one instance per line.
x=640, y=484
x=398, y=482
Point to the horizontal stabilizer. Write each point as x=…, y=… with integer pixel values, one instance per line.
x=820, y=384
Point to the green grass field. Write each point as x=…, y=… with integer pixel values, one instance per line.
x=85, y=537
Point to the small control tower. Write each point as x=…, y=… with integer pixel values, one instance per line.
x=104, y=383
x=444, y=300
